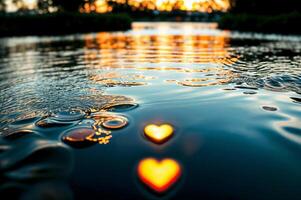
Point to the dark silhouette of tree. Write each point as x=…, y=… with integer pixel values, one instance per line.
x=2, y=5
x=68, y=5
x=44, y=5
x=265, y=7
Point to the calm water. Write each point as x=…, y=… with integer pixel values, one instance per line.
x=234, y=100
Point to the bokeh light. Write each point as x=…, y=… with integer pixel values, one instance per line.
x=159, y=175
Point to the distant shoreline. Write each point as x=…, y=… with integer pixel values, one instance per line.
x=64, y=23
x=61, y=23
x=279, y=24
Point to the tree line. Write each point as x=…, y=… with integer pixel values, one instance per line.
x=265, y=7
x=45, y=5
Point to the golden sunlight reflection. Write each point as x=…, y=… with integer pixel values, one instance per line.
x=160, y=5
x=159, y=175
x=205, y=54
x=158, y=134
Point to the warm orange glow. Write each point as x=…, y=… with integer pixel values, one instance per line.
x=103, y=6
x=109, y=52
x=164, y=48
x=100, y=6
x=159, y=175
x=158, y=134
x=162, y=5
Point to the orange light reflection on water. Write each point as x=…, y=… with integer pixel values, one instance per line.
x=159, y=175
x=139, y=51
x=158, y=134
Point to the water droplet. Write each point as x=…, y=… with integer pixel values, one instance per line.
x=51, y=123
x=115, y=122
x=121, y=107
x=77, y=137
x=71, y=115
x=269, y=108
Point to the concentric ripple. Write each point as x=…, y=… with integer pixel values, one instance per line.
x=233, y=98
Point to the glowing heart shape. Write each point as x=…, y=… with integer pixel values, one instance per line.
x=159, y=175
x=158, y=134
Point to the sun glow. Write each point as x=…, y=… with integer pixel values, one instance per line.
x=162, y=5
x=103, y=6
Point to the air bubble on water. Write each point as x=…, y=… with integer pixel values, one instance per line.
x=70, y=115
x=51, y=123
x=109, y=120
x=121, y=107
x=116, y=122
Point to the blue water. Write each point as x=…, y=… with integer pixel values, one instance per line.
x=233, y=98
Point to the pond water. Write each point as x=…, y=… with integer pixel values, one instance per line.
x=73, y=111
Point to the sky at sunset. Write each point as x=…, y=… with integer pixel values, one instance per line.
x=162, y=5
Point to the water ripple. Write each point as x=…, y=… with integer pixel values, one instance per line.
x=237, y=94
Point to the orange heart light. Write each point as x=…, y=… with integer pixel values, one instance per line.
x=159, y=175
x=158, y=134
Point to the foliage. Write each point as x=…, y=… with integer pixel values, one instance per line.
x=45, y=5
x=265, y=7
x=61, y=23
x=274, y=16
x=68, y=5
x=2, y=5
x=283, y=23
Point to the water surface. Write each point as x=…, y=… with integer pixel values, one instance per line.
x=234, y=100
